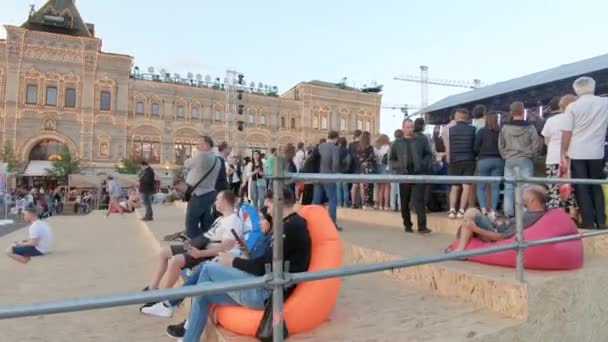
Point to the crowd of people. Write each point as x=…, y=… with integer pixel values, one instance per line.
x=215, y=247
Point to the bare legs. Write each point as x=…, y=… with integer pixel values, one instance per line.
x=170, y=265
x=18, y=258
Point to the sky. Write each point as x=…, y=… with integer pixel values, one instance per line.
x=281, y=42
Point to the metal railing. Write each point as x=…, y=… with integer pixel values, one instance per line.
x=276, y=279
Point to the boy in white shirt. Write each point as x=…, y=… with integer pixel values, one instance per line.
x=38, y=243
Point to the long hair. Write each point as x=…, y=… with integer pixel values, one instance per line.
x=382, y=140
x=419, y=125
x=289, y=151
x=365, y=140
x=492, y=121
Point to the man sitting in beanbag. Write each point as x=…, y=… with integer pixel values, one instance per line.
x=480, y=226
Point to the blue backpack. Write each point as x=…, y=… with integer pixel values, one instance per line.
x=251, y=224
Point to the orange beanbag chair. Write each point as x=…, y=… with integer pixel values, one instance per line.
x=311, y=302
x=567, y=255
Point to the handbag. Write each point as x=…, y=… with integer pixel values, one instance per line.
x=264, y=332
x=190, y=189
x=565, y=190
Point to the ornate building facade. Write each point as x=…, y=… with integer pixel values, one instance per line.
x=59, y=90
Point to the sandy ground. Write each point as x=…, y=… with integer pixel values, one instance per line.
x=91, y=256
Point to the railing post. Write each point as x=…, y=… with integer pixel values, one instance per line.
x=277, y=250
x=519, y=226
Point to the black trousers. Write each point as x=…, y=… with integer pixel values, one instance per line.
x=408, y=193
x=307, y=194
x=590, y=197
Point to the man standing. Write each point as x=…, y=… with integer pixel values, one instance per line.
x=222, y=177
x=38, y=243
x=146, y=188
x=203, y=170
x=411, y=155
x=461, y=148
x=583, y=135
x=329, y=164
x=518, y=144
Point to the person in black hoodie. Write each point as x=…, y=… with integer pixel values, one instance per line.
x=489, y=162
x=296, y=250
x=146, y=188
x=462, y=160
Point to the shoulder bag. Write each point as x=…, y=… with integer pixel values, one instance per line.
x=190, y=189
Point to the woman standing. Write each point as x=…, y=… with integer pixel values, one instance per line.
x=289, y=153
x=553, y=139
x=367, y=160
x=257, y=183
x=383, y=190
x=489, y=162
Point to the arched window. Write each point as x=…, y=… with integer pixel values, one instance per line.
x=183, y=150
x=368, y=126
x=217, y=116
x=343, y=124
x=155, y=109
x=263, y=120
x=180, y=112
x=359, y=124
x=315, y=122
x=293, y=123
x=194, y=113
x=139, y=108
x=46, y=149
x=146, y=150
x=283, y=123
x=324, y=122
x=251, y=119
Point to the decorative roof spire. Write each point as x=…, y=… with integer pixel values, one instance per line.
x=58, y=16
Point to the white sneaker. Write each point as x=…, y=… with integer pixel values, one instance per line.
x=460, y=214
x=452, y=214
x=159, y=310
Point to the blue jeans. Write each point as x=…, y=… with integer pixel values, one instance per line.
x=191, y=280
x=258, y=191
x=147, y=199
x=526, y=167
x=395, y=196
x=213, y=272
x=343, y=194
x=329, y=189
x=199, y=216
x=489, y=167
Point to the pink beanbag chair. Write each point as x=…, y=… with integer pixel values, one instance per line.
x=566, y=255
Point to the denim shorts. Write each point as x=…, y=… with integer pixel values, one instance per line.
x=26, y=251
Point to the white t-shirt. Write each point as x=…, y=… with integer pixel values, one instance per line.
x=380, y=153
x=220, y=229
x=587, y=118
x=42, y=231
x=299, y=159
x=553, y=131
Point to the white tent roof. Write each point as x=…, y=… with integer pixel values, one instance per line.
x=38, y=168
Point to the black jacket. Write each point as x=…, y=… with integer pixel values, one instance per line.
x=421, y=157
x=146, y=181
x=462, y=142
x=486, y=144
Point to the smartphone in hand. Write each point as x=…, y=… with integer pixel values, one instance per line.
x=242, y=244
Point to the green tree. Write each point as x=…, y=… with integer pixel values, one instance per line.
x=128, y=166
x=7, y=155
x=64, y=166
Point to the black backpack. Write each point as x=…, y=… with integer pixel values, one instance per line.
x=346, y=161
x=312, y=164
x=221, y=183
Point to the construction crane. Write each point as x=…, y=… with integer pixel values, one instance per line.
x=424, y=81
x=403, y=108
